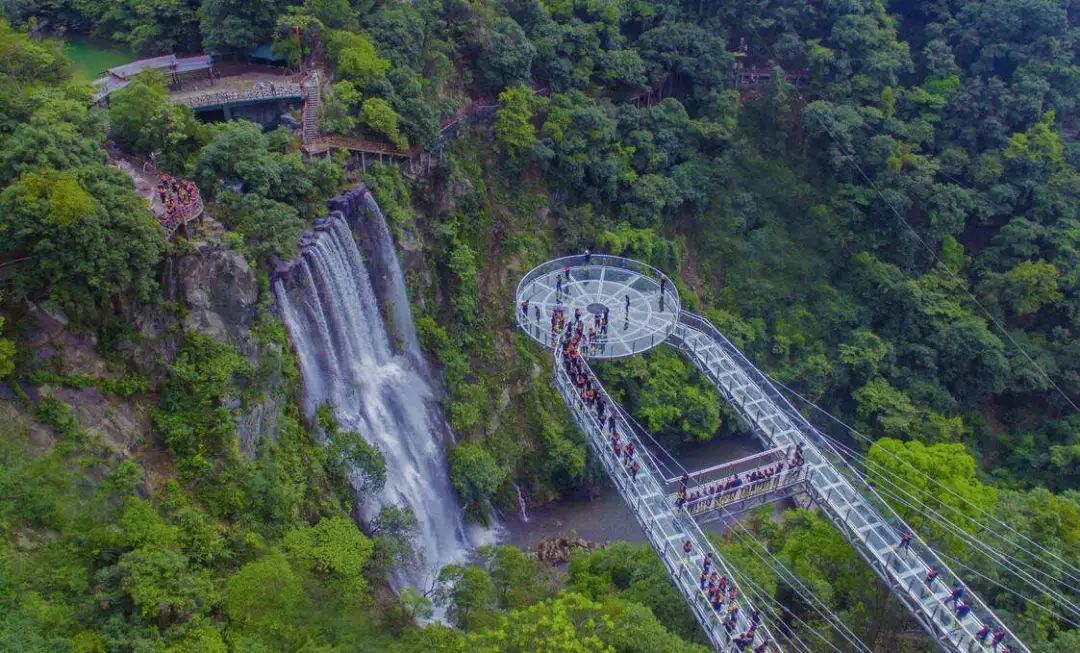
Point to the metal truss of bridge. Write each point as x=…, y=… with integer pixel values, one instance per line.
x=796, y=460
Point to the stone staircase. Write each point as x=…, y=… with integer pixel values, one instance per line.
x=310, y=119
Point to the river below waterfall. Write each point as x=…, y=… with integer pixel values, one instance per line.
x=606, y=517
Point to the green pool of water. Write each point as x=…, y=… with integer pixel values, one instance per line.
x=91, y=58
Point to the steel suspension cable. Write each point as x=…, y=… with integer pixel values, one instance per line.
x=999, y=558
x=805, y=593
x=1067, y=565
x=761, y=597
x=1010, y=590
x=856, y=456
x=642, y=430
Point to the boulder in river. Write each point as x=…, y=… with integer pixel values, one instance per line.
x=558, y=549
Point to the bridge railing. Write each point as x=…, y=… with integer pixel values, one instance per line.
x=855, y=489
x=747, y=490
x=591, y=271
x=650, y=506
x=279, y=91
x=728, y=468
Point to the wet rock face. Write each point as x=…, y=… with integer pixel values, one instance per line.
x=221, y=292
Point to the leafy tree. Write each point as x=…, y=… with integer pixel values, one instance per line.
x=270, y=229
x=235, y=26
x=394, y=530
x=152, y=26
x=896, y=415
x=7, y=354
x=239, y=153
x=632, y=572
x=379, y=116
x=670, y=398
x=336, y=549
x=468, y=594
x=194, y=417
x=351, y=458
x=864, y=354
x=162, y=586
x=61, y=134
x=476, y=476
x=144, y=120
x=90, y=237
x=622, y=68
x=573, y=623
x=1031, y=285
x=265, y=598
x=948, y=465
x=507, y=56
x=514, y=131
x=513, y=575
x=355, y=58
x=241, y=156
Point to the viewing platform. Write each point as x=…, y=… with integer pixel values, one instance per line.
x=639, y=315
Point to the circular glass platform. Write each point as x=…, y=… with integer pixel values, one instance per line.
x=639, y=315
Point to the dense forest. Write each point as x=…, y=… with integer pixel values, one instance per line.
x=888, y=222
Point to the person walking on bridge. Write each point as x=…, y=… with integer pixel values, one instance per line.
x=999, y=634
x=905, y=541
x=931, y=574
x=957, y=594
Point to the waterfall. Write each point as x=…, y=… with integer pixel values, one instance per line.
x=395, y=293
x=521, y=503
x=348, y=360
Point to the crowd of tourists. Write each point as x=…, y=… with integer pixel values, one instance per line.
x=721, y=492
x=180, y=200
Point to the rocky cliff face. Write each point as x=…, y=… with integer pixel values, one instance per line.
x=220, y=291
x=212, y=291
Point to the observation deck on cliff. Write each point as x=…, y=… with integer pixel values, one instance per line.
x=639, y=315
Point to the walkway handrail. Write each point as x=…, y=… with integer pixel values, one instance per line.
x=783, y=479
x=820, y=452
x=736, y=466
x=283, y=90
x=649, y=502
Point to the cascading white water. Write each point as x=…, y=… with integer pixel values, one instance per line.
x=397, y=296
x=522, y=503
x=330, y=309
